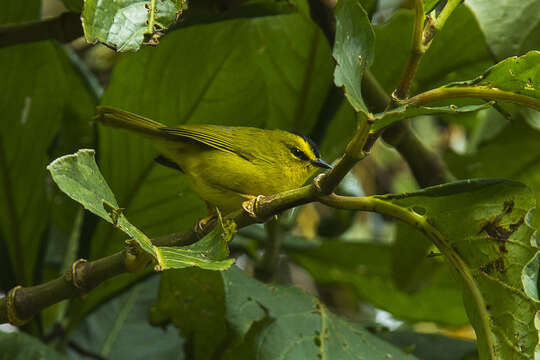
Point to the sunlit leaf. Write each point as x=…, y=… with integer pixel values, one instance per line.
x=125, y=24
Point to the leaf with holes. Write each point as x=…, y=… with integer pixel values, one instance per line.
x=124, y=25
x=483, y=228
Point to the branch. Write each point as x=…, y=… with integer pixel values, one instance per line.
x=370, y=203
x=446, y=93
x=417, y=52
x=427, y=167
x=22, y=303
x=64, y=28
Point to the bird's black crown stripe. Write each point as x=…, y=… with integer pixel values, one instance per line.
x=311, y=144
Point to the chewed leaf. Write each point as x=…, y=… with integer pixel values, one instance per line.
x=79, y=177
x=125, y=25
x=208, y=253
x=484, y=228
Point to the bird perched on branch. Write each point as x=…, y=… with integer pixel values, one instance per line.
x=226, y=165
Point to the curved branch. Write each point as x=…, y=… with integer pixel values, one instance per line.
x=446, y=93
x=420, y=222
x=64, y=28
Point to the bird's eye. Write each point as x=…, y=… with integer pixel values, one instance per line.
x=299, y=154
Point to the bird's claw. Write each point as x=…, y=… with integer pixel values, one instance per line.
x=200, y=226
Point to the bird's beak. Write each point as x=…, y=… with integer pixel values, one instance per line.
x=322, y=164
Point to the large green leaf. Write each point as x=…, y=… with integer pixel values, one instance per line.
x=125, y=24
x=367, y=269
x=510, y=27
x=79, y=177
x=484, y=229
x=21, y=346
x=194, y=301
x=120, y=330
x=516, y=146
x=31, y=120
x=263, y=321
x=353, y=50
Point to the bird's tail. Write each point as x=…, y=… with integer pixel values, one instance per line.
x=117, y=118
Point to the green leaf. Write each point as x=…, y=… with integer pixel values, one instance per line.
x=516, y=146
x=264, y=321
x=413, y=263
x=388, y=118
x=511, y=28
x=79, y=177
x=124, y=25
x=366, y=268
x=113, y=329
x=520, y=75
x=205, y=253
x=484, y=227
x=30, y=74
x=194, y=301
x=353, y=50
x=21, y=346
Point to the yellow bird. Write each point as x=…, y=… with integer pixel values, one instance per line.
x=227, y=165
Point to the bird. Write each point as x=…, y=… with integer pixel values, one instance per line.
x=226, y=165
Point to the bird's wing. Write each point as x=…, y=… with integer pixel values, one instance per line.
x=218, y=137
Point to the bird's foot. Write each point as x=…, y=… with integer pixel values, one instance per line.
x=252, y=206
